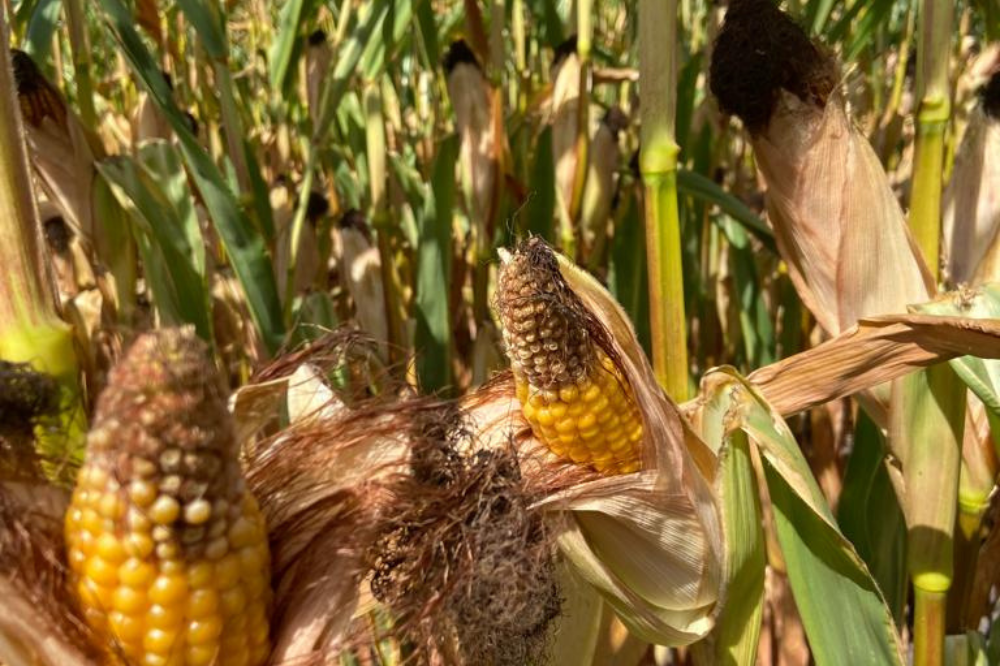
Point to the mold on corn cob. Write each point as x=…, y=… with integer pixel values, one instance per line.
x=570, y=387
x=167, y=549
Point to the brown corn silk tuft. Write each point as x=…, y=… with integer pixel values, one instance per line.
x=167, y=549
x=566, y=372
x=462, y=560
x=398, y=490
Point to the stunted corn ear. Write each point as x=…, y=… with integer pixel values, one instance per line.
x=571, y=390
x=167, y=549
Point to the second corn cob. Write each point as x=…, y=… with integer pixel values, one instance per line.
x=573, y=394
x=167, y=549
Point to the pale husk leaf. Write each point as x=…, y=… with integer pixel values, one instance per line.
x=971, y=205
x=472, y=102
x=835, y=218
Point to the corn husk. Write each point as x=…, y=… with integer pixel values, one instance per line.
x=360, y=270
x=318, y=58
x=62, y=151
x=650, y=543
x=603, y=155
x=472, y=100
x=307, y=255
x=835, y=218
x=971, y=204
x=836, y=221
x=564, y=120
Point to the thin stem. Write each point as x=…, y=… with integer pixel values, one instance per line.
x=658, y=166
x=928, y=627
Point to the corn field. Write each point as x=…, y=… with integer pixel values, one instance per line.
x=499, y=332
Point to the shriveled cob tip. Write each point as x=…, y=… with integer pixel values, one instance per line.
x=167, y=549
x=571, y=390
x=761, y=51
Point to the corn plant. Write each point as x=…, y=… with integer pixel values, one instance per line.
x=538, y=331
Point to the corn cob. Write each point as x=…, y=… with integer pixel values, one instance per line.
x=167, y=549
x=571, y=390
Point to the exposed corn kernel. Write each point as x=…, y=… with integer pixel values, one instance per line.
x=572, y=393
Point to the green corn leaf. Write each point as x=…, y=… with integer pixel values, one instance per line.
x=627, y=277
x=843, y=611
x=870, y=516
x=540, y=209
x=282, y=56
x=41, y=28
x=347, y=58
x=208, y=23
x=245, y=248
x=395, y=26
x=734, y=640
x=154, y=190
x=704, y=189
x=433, y=334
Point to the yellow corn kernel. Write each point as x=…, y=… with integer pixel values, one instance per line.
x=167, y=551
x=597, y=425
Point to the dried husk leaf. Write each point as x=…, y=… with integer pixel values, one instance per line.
x=317, y=484
x=319, y=55
x=473, y=103
x=876, y=350
x=971, y=205
x=565, y=114
x=62, y=153
x=835, y=218
x=360, y=268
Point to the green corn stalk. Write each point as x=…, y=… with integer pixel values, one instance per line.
x=936, y=404
x=30, y=328
x=81, y=62
x=658, y=166
x=934, y=35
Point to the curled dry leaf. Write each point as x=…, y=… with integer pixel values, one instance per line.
x=876, y=350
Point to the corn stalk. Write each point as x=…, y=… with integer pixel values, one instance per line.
x=933, y=463
x=30, y=328
x=658, y=166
